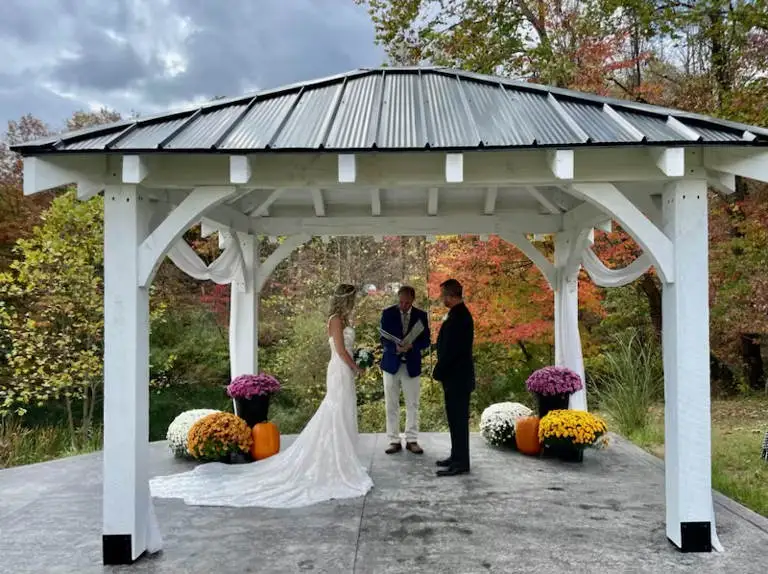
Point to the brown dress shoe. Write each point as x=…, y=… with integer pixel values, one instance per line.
x=414, y=447
x=394, y=447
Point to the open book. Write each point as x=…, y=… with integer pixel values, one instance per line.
x=409, y=338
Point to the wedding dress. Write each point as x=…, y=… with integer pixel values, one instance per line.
x=321, y=464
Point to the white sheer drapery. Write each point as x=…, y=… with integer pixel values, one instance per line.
x=605, y=277
x=227, y=268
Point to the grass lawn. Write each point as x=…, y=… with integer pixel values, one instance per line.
x=738, y=428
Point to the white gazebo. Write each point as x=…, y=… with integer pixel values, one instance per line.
x=403, y=151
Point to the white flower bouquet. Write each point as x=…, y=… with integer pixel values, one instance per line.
x=497, y=423
x=178, y=430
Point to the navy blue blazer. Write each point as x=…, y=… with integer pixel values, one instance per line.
x=392, y=323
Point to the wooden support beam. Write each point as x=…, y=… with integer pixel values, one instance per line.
x=544, y=265
x=156, y=245
x=262, y=210
x=542, y=199
x=135, y=169
x=650, y=237
x=671, y=161
x=319, y=203
x=721, y=182
x=432, y=201
x=490, y=200
x=561, y=163
x=411, y=225
x=454, y=167
x=239, y=169
x=280, y=254
x=347, y=168
x=745, y=162
x=375, y=202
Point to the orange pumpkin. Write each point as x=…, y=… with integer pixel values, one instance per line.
x=527, y=435
x=266, y=440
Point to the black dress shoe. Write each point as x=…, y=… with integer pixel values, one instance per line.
x=394, y=447
x=452, y=471
x=445, y=462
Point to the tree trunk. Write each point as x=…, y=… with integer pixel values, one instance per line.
x=722, y=375
x=650, y=286
x=753, y=361
x=71, y=422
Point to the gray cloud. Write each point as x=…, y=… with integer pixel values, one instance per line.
x=150, y=55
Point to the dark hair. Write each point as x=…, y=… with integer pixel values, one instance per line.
x=452, y=288
x=407, y=290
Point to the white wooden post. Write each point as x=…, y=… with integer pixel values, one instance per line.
x=128, y=529
x=568, y=353
x=244, y=313
x=685, y=307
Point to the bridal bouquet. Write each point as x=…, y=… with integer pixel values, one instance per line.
x=497, y=423
x=363, y=358
x=178, y=430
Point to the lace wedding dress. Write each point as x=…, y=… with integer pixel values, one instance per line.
x=321, y=464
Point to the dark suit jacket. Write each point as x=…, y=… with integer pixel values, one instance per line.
x=455, y=365
x=392, y=323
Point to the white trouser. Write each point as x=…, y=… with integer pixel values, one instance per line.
x=411, y=387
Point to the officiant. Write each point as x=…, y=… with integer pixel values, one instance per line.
x=404, y=335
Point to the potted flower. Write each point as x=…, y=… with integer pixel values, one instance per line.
x=497, y=423
x=566, y=433
x=552, y=387
x=178, y=430
x=251, y=394
x=220, y=437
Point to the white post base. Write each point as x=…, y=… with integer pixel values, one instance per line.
x=129, y=529
x=685, y=333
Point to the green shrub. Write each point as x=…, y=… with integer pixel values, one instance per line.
x=629, y=380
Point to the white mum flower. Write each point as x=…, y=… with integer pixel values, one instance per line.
x=178, y=430
x=497, y=423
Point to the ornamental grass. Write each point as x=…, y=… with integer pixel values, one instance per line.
x=569, y=427
x=218, y=435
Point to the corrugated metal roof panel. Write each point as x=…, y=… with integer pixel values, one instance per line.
x=714, y=135
x=446, y=113
x=596, y=123
x=261, y=122
x=402, y=123
x=97, y=142
x=204, y=131
x=654, y=128
x=355, y=123
x=307, y=125
x=148, y=136
x=496, y=112
x=401, y=108
x=545, y=122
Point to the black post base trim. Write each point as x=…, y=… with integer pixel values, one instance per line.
x=695, y=537
x=116, y=549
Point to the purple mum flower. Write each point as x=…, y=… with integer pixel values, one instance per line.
x=554, y=381
x=248, y=386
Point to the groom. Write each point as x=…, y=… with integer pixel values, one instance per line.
x=455, y=369
x=402, y=368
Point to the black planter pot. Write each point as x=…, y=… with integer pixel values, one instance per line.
x=236, y=458
x=253, y=410
x=548, y=403
x=564, y=453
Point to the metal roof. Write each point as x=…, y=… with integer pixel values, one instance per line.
x=403, y=109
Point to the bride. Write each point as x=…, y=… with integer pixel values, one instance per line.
x=321, y=464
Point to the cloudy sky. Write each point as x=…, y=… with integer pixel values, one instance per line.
x=58, y=56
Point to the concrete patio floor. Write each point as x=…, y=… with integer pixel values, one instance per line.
x=512, y=514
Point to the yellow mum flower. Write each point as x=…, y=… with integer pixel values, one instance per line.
x=580, y=427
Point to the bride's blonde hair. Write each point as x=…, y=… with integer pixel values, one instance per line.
x=343, y=301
